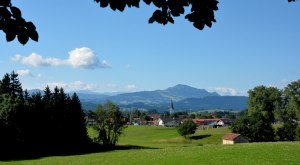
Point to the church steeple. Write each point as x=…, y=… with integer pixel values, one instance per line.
x=171, y=108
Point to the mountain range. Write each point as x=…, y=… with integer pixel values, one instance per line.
x=184, y=98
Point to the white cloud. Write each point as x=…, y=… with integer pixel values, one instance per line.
x=73, y=86
x=57, y=84
x=280, y=84
x=224, y=91
x=121, y=88
x=112, y=86
x=131, y=87
x=37, y=60
x=79, y=85
x=24, y=72
x=27, y=72
x=283, y=83
x=83, y=58
x=102, y=88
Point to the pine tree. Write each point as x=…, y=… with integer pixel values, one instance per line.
x=16, y=86
x=10, y=133
x=5, y=84
x=77, y=122
x=47, y=95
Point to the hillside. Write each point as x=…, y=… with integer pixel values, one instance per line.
x=175, y=93
x=214, y=102
x=183, y=96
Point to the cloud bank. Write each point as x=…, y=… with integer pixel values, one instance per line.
x=73, y=86
x=79, y=85
x=24, y=72
x=224, y=91
x=83, y=58
x=27, y=72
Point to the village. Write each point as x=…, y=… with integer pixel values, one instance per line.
x=169, y=118
x=174, y=119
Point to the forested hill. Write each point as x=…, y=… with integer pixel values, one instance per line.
x=183, y=96
x=176, y=93
x=214, y=102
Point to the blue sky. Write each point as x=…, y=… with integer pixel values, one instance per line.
x=83, y=46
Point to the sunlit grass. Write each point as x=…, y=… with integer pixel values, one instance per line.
x=167, y=147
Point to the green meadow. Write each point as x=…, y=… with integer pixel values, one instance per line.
x=160, y=145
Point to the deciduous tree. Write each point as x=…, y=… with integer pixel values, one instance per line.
x=290, y=112
x=110, y=123
x=188, y=127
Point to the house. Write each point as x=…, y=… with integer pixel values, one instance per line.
x=233, y=138
x=160, y=122
x=202, y=122
x=154, y=116
x=220, y=123
x=213, y=122
x=136, y=121
x=223, y=122
x=169, y=122
x=154, y=123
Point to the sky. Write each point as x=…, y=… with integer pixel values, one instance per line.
x=85, y=47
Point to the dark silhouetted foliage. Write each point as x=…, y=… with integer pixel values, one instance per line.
x=14, y=25
x=201, y=14
x=201, y=11
x=52, y=119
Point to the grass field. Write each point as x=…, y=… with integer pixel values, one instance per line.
x=164, y=146
x=162, y=137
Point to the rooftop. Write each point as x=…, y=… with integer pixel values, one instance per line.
x=231, y=136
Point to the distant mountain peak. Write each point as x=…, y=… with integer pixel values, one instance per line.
x=182, y=86
x=35, y=91
x=189, y=92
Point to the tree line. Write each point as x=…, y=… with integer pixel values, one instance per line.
x=272, y=114
x=50, y=119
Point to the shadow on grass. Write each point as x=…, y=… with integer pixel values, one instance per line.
x=30, y=153
x=198, y=137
